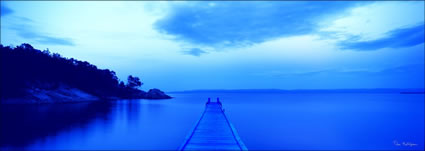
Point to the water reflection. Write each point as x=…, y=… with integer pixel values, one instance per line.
x=22, y=124
x=122, y=124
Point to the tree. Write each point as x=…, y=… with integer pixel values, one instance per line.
x=133, y=82
x=23, y=67
x=121, y=85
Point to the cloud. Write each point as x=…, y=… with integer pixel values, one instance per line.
x=194, y=52
x=5, y=10
x=412, y=70
x=403, y=76
x=55, y=41
x=398, y=38
x=25, y=31
x=244, y=23
x=409, y=70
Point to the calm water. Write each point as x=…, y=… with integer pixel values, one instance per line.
x=263, y=121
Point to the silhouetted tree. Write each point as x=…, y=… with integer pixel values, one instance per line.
x=24, y=67
x=133, y=82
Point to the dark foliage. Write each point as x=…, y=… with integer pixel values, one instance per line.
x=24, y=67
x=133, y=82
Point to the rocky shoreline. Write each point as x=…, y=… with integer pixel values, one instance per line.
x=32, y=76
x=65, y=94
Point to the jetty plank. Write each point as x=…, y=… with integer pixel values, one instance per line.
x=213, y=131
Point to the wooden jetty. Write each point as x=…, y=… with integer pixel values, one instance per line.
x=213, y=131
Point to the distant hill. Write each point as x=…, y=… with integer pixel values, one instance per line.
x=383, y=90
x=28, y=73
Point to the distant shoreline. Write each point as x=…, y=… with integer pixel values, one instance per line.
x=412, y=92
x=399, y=91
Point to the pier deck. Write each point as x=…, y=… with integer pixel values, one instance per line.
x=213, y=131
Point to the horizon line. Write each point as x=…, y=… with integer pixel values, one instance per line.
x=394, y=90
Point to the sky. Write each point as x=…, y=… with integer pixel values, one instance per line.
x=188, y=45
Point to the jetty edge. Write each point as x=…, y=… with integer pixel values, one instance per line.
x=213, y=131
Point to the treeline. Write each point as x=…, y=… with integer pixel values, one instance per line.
x=24, y=67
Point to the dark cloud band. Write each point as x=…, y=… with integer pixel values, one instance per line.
x=242, y=23
x=398, y=38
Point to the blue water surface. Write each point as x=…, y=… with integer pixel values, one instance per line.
x=295, y=121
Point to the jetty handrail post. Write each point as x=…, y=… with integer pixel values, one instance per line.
x=218, y=101
x=208, y=102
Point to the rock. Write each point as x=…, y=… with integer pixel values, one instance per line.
x=156, y=94
x=60, y=94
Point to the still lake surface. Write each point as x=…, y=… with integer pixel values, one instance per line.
x=306, y=121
